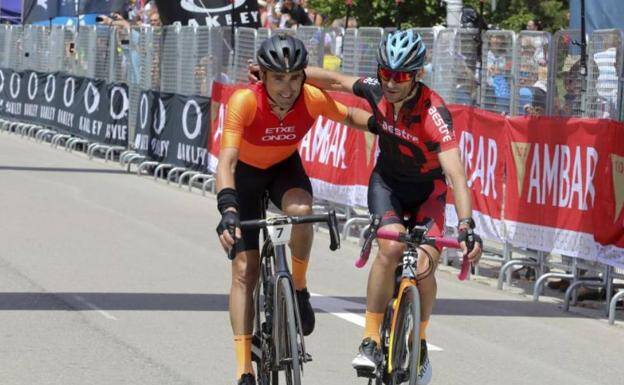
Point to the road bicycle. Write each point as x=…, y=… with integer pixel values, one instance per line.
x=278, y=347
x=400, y=329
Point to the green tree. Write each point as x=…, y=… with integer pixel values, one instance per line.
x=509, y=14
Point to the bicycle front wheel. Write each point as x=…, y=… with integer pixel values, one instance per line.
x=406, y=339
x=287, y=337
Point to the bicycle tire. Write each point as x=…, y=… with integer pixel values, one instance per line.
x=287, y=338
x=263, y=363
x=406, y=349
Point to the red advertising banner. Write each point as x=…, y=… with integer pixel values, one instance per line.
x=548, y=184
x=551, y=183
x=609, y=213
x=339, y=159
x=483, y=145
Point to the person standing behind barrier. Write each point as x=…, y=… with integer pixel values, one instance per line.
x=263, y=128
x=316, y=18
x=572, y=99
x=418, y=150
x=607, y=81
x=293, y=14
x=497, y=66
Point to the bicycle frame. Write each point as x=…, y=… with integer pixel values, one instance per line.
x=276, y=233
x=413, y=239
x=408, y=278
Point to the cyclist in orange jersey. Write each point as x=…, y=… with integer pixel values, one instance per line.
x=263, y=127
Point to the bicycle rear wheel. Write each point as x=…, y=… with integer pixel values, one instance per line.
x=406, y=349
x=287, y=337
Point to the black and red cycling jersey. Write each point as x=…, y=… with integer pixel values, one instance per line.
x=409, y=145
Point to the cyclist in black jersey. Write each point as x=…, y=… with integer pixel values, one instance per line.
x=418, y=154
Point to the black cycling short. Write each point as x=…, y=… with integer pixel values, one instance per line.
x=392, y=199
x=251, y=185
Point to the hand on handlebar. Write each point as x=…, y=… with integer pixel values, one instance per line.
x=471, y=245
x=229, y=230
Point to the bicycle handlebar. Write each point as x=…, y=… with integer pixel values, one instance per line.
x=329, y=218
x=397, y=236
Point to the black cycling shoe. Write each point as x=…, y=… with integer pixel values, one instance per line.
x=247, y=379
x=368, y=357
x=306, y=313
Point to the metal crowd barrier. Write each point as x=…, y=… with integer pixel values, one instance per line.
x=497, y=83
x=428, y=36
x=455, y=75
x=531, y=73
x=349, y=49
x=567, y=84
x=314, y=40
x=170, y=63
x=360, y=51
x=36, y=48
x=4, y=45
x=605, y=54
x=246, y=47
x=14, y=49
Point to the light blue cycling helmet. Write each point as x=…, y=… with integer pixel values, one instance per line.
x=402, y=51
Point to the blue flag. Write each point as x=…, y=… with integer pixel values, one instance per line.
x=599, y=14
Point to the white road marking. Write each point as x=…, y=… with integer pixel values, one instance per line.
x=93, y=307
x=341, y=309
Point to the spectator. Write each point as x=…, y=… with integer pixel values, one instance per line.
x=293, y=15
x=316, y=18
x=264, y=14
x=607, y=80
x=533, y=100
x=153, y=15
x=572, y=82
x=272, y=15
x=498, y=67
x=533, y=25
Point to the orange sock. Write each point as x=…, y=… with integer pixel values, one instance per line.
x=372, y=325
x=242, y=348
x=299, y=270
x=423, y=330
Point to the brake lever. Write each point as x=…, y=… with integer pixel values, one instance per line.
x=368, y=243
x=334, y=237
x=232, y=252
x=466, y=266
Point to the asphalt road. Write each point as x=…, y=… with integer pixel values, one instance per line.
x=108, y=278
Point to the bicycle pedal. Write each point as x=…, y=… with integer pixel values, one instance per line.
x=307, y=358
x=366, y=373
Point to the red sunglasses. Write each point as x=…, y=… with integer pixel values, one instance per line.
x=398, y=76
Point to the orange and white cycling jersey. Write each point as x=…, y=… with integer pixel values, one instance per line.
x=261, y=137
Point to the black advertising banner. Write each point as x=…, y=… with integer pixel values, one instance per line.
x=11, y=102
x=84, y=107
x=144, y=121
x=214, y=13
x=99, y=111
x=174, y=129
x=40, y=10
